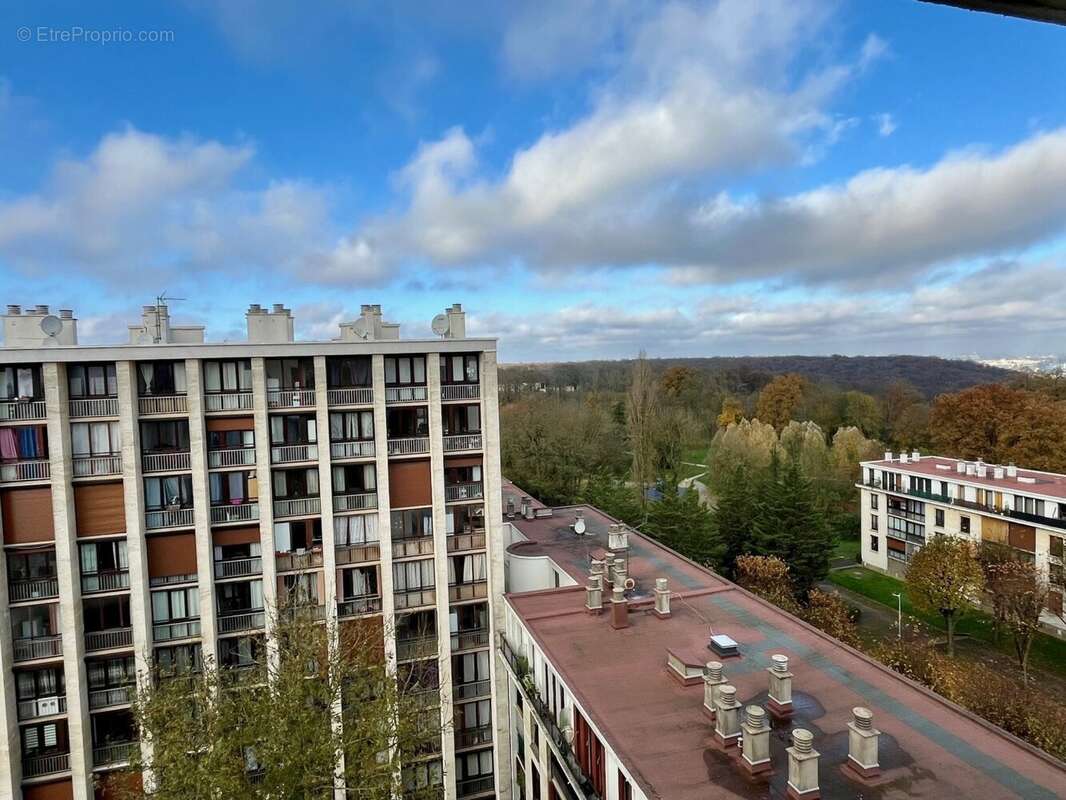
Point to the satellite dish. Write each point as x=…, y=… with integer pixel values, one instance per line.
x=579, y=526
x=51, y=325
x=440, y=325
x=359, y=326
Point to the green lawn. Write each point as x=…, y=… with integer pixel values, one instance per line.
x=1048, y=652
x=849, y=549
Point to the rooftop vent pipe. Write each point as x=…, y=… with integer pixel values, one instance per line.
x=662, y=598
x=594, y=595
x=713, y=681
x=755, y=743
x=780, y=702
x=1012, y=471
x=916, y=456
x=888, y=455
x=802, y=766
x=862, y=743
x=619, y=609
x=727, y=717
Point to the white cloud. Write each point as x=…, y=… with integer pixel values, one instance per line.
x=886, y=124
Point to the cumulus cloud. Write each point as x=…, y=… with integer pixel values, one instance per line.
x=886, y=124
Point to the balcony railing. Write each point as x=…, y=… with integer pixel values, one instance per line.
x=473, y=786
x=22, y=409
x=403, y=548
x=235, y=512
x=470, y=640
x=32, y=470
x=357, y=449
x=358, y=501
x=41, y=707
x=458, y=592
x=291, y=398
x=405, y=394
x=297, y=507
x=239, y=567
x=39, y=647
x=92, y=466
x=93, y=407
x=168, y=518
x=286, y=562
x=417, y=647
x=469, y=691
x=105, y=581
x=231, y=457
x=1037, y=519
x=108, y=640
x=472, y=737
x=409, y=446
x=169, y=631
x=163, y=404
x=287, y=453
x=35, y=766
x=462, y=441
x=415, y=598
x=358, y=605
x=351, y=396
x=357, y=553
x=464, y=491
x=36, y=589
x=165, y=462
x=232, y=401
x=458, y=542
x=241, y=621
x=460, y=391
x=303, y=611
x=114, y=696
x=110, y=754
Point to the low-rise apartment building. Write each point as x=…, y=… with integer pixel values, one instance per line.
x=158, y=499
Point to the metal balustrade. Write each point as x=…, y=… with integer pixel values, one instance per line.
x=415, y=598
x=405, y=394
x=403, y=548
x=111, y=754
x=169, y=631
x=246, y=621
x=413, y=445
x=351, y=396
x=228, y=401
x=463, y=491
x=358, y=605
x=415, y=648
x=114, y=696
x=359, y=501
x=36, y=589
x=290, y=398
x=235, y=512
x=472, y=737
x=105, y=581
x=288, y=453
x=472, y=786
x=239, y=567
x=35, y=766
x=303, y=611
x=30, y=470
x=297, y=507
x=39, y=647
x=41, y=707
x=469, y=691
x=470, y=640
x=166, y=462
x=460, y=391
x=93, y=407
x=357, y=449
x=477, y=590
x=163, y=404
x=357, y=553
x=169, y=518
x=462, y=441
x=23, y=410
x=93, y=466
x=458, y=542
x=310, y=559
x=108, y=640
x=231, y=457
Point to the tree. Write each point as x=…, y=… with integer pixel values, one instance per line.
x=641, y=409
x=733, y=516
x=769, y=578
x=862, y=411
x=616, y=497
x=682, y=523
x=945, y=577
x=275, y=729
x=1024, y=594
x=732, y=412
x=749, y=442
x=992, y=556
x=828, y=612
x=779, y=399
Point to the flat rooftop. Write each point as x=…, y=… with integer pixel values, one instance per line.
x=1027, y=481
x=928, y=747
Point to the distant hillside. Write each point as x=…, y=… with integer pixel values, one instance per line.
x=929, y=375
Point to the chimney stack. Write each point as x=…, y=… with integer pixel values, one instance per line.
x=862, y=743
x=527, y=505
x=269, y=327
x=1012, y=471
x=802, y=766
x=619, y=609
x=915, y=455
x=662, y=598
x=755, y=743
x=617, y=537
x=620, y=575
x=727, y=717
x=780, y=702
x=888, y=455
x=713, y=681
x=594, y=595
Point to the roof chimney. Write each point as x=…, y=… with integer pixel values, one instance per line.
x=1012, y=471
x=608, y=566
x=915, y=455
x=780, y=702
x=456, y=321
x=713, y=681
x=903, y=458
x=888, y=455
x=594, y=594
x=862, y=743
x=727, y=717
x=755, y=743
x=619, y=609
x=998, y=473
x=617, y=537
x=527, y=508
x=802, y=766
x=269, y=327
x=662, y=598
x=14, y=310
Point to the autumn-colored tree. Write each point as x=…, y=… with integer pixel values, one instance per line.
x=1024, y=594
x=945, y=577
x=828, y=612
x=779, y=399
x=769, y=578
x=992, y=556
x=676, y=382
x=862, y=411
x=732, y=412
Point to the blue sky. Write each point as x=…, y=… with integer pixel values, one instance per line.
x=588, y=178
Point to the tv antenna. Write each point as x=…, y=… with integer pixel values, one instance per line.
x=161, y=301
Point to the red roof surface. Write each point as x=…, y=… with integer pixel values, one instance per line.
x=928, y=747
x=1045, y=483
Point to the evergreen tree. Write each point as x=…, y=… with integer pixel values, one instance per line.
x=681, y=523
x=605, y=492
x=734, y=516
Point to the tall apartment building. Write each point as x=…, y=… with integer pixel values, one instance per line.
x=907, y=498
x=159, y=498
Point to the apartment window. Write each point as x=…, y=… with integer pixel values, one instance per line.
x=300, y=589
x=355, y=530
x=44, y=738
x=235, y=552
x=230, y=440
x=964, y=524
x=474, y=765
x=461, y=419
x=1029, y=505
x=465, y=519
x=160, y=378
x=468, y=568
x=102, y=558
x=295, y=483
x=293, y=429
x=169, y=436
x=874, y=502
x=167, y=492
x=457, y=475
x=95, y=439
x=459, y=369
x=1055, y=547
x=873, y=522
x=33, y=566
x=21, y=383
x=405, y=370
x=239, y=597
x=411, y=576
x=87, y=381
x=290, y=373
x=893, y=481
x=34, y=622
x=904, y=528
x=240, y=651
x=182, y=659
x=351, y=426
x=175, y=605
x=924, y=485
x=354, y=479
x=939, y=514
x=232, y=488
x=473, y=715
x=23, y=442
x=227, y=377
x=348, y=372
x=111, y=673
x=403, y=423
x=875, y=544
x=473, y=617
x=625, y=788
x=413, y=523
x=44, y=682
x=471, y=667
x=303, y=534
x=359, y=582
x=107, y=613
x=417, y=778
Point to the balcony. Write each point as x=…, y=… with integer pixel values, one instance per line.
x=460, y=391
x=35, y=589
x=297, y=507
x=231, y=457
x=110, y=755
x=107, y=698
x=411, y=446
x=405, y=394
x=239, y=567
x=41, y=707
x=169, y=518
x=416, y=648
x=473, y=737
x=29, y=470
x=456, y=492
x=105, y=581
x=166, y=462
x=163, y=404
x=351, y=396
x=291, y=398
x=96, y=466
x=1036, y=519
x=287, y=562
x=242, y=621
x=416, y=598
x=288, y=453
x=36, y=766
x=459, y=542
x=82, y=407
x=470, y=640
x=462, y=441
x=934, y=496
x=357, y=553
x=472, y=787
x=235, y=401
x=303, y=611
x=358, y=606
x=108, y=640
x=472, y=690
x=235, y=512
x=38, y=647
x=340, y=451
x=459, y=592
x=166, y=632
x=18, y=410
x=405, y=548
x=359, y=501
